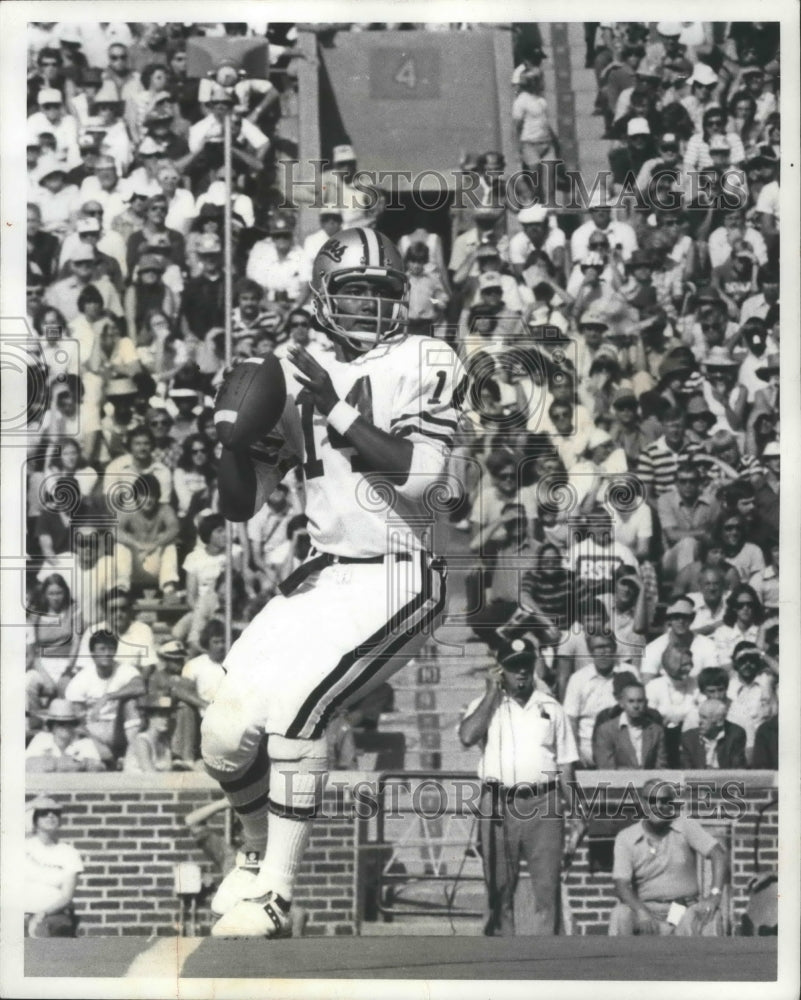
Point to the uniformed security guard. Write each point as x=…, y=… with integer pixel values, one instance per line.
x=527, y=760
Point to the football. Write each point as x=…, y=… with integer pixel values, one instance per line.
x=250, y=402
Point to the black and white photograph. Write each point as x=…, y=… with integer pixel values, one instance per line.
x=398, y=576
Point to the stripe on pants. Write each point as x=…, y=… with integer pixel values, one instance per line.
x=358, y=666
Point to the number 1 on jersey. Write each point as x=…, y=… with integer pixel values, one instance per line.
x=359, y=396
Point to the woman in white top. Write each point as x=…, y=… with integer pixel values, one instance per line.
x=50, y=875
x=741, y=621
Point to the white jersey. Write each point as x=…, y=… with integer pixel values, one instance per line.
x=405, y=387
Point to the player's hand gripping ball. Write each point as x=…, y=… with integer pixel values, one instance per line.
x=250, y=402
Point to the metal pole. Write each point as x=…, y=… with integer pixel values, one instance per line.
x=228, y=300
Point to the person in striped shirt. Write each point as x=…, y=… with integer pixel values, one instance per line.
x=658, y=463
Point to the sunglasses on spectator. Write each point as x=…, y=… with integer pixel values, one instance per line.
x=94, y=211
x=744, y=604
x=731, y=527
x=299, y=322
x=49, y=62
x=158, y=422
x=199, y=451
x=120, y=58
x=50, y=812
x=506, y=475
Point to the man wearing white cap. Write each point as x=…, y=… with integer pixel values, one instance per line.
x=627, y=161
x=59, y=747
x=679, y=635
x=88, y=230
x=151, y=158
x=704, y=84
x=621, y=236
x=537, y=237
x=50, y=874
x=114, y=140
x=338, y=190
x=57, y=200
x=52, y=117
x=106, y=188
x=668, y=44
x=63, y=295
x=209, y=130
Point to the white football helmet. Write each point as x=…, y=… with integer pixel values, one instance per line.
x=366, y=318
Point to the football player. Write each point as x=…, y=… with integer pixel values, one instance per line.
x=371, y=425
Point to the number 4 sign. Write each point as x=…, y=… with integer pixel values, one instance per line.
x=404, y=74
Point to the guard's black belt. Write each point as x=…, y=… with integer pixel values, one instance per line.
x=524, y=790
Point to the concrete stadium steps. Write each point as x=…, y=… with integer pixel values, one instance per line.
x=589, y=128
x=430, y=695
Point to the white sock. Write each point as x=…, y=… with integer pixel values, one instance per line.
x=286, y=845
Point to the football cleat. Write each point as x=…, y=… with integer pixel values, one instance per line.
x=237, y=883
x=264, y=917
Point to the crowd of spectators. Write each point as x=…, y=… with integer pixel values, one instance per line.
x=623, y=441
x=621, y=426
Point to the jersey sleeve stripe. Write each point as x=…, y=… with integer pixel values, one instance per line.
x=410, y=429
x=422, y=415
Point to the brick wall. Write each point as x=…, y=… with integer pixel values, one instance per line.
x=590, y=893
x=130, y=831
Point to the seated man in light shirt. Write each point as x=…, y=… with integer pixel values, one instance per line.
x=656, y=871
x=710, y=601
x=751, y=692
x=673, y=695
x=109, y=690
x=679, y=617
x=591, y=689
x=136, y=644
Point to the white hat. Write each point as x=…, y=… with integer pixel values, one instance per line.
x=108, y=94
x=148, y=147
x=49, y=95
x=771, y=450
x=704, y=75
x=137, y=186
x=592, y=316
x=69, y=33
x=209, y=243
x=670, y=29
x=50, y=164
x=532, y=213
x=719, y=142
x=592, y=259
x=88, y=225
x=82, y=251
x=490, y=279
x=638, y=126
x=343, y=154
